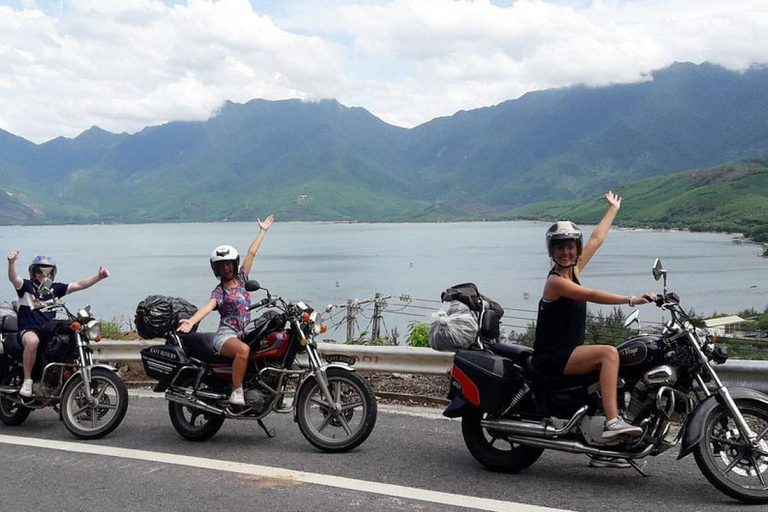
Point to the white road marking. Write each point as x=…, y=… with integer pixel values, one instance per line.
x=351, y=484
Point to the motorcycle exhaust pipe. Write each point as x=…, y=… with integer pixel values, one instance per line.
x=190, y=401
x=577, y=447
x=527, y=428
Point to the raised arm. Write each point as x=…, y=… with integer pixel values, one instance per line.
x=82, y=284
x=601, y=231
x=263, y=228
x=13, y=277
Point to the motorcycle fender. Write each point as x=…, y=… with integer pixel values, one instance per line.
x=458, y=408
x=693, y=430
x=311, y=376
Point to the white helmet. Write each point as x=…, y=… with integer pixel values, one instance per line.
x=564, y=230
x=224, y=253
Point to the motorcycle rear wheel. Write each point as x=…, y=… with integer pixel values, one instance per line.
x=728, y=461
x=193, y=424
x=86, y=421
x=496, y=453
x=11, y=413
x=337, y=432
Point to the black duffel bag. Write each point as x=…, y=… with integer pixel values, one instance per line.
x=158, y=315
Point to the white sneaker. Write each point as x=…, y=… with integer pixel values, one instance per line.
x=26, y=388
x=237, y=398
x=619, y=427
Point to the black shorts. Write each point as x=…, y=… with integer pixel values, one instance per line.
x=553, y=363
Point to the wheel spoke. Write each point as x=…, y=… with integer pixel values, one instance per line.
x=325, y=423
x=107, y=407
x=755, y=463
x=730, y=466
x=79, y=411
x=318, y=402
x=344, y=424
x=351, y=405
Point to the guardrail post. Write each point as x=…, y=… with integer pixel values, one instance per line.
x=376, y=328
x=350, y=320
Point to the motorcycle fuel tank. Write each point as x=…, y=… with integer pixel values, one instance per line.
x=640, y=353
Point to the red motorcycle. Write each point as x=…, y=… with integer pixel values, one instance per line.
x=334, y=407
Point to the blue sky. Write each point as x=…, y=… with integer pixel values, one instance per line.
x=126, y=64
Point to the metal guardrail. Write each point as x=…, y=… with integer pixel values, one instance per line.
x=400, y=359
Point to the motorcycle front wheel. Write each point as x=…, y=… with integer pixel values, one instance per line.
x=11, y=413
x=86, y=420
x=729, y=461
x=193, y=424
x=495, y=452
x=346, y=423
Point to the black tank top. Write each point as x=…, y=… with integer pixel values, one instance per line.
x=560, y=324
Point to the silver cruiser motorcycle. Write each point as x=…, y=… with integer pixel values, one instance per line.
x=90, y=398
x=510, y=413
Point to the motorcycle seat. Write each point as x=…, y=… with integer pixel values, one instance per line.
x=543, y=380
x=200, y=346
x=9, y=323
x=519, y=354
x=12, y=345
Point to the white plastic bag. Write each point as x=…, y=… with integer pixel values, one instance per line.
x=452, y=328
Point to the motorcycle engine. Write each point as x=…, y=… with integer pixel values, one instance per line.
x=255, y=398
x=592, y=429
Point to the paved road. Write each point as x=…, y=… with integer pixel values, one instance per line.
x=145, y=466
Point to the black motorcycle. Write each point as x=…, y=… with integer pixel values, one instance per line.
x=90, y=398
x=511, y=413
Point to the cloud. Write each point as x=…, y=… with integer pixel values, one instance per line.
x=125, y=64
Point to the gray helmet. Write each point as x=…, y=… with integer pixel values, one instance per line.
x=224, y=253
x=564, y=230
x=43, y=263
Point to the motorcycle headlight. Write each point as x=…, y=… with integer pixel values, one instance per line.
x=93, y=330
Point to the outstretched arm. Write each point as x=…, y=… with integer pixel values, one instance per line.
x=185, y=324
x=13, y=277
x=263, y=228
x=601, y=231
x=82, y=284
x=558, y=286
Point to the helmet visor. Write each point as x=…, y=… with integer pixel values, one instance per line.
x=42, y=270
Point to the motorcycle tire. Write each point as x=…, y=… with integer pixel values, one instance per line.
x=505, y=457
x=727, y=461
x=193, y=424
x=11, y=413
x=86, y=421
x=337, y=432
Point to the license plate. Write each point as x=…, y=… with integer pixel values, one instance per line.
x=339, y=358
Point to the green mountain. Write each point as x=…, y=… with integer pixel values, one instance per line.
x=731, y=197
x=322, y=160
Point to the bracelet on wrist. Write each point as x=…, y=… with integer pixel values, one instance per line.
x=629, y=301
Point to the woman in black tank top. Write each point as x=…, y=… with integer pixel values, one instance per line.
x=559, y=347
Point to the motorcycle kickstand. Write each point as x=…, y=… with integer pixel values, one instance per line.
x=638, y=467
x=269, y=432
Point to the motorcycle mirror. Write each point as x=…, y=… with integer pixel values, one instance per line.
x=658, y=269
x=252, y=286
x=632, y=318
x=329, y=308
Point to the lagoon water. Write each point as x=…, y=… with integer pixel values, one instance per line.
x=326, y=263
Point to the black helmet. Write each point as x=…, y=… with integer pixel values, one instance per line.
x=43, y=263
x=564, y=230
x=224, y=253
